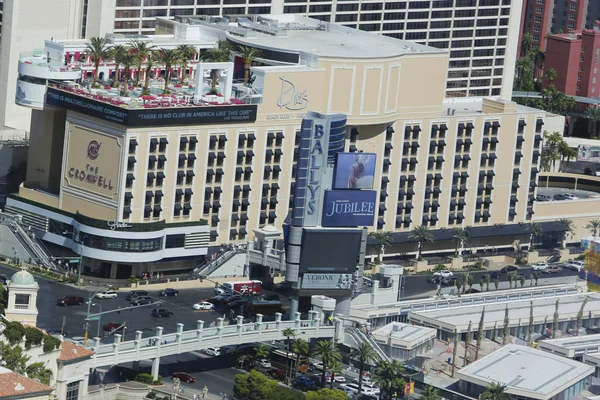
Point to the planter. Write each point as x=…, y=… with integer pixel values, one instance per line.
x=419, y=266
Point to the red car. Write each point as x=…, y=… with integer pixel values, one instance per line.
x=70, y=301
x=184, y=377
x=276, y=373
x=112, y=326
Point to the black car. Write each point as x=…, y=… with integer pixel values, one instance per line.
x=136, y=293
x=509, y=268
x=450, y=281
x=168, y=292
x=471, y=291
x=283, y=286
x=161, y=312
x=434, y=279
x=141, y=300
x=495, y=275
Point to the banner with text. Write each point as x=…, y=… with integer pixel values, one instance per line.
x=327, y=281
x=349, y=208
x=588, y=153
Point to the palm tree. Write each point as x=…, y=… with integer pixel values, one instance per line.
x=117, y=53
x=593, y=226
x=505, y=329
x=248, y=54
x=530, y=326
x=169, y=58
x=261, y=352
x=531, y=279
x=459, y=235
x=550, y=75
x=97, y=50
x=328, y=353
x=495, y=391
x=454, y=350
x=421, y=234
x=142, y=50
x=128, y=59
x=469, y=280
x=568, y=226
x=536, y=276
x=552, y=140
x=388, y=376
x=188, y=52
x=526, y=43
x=335, y=367
x=496, y=283
x=288, y=333
x=150, y=61
x=467, y=341
x=383, y=239
x=221, y=53
x=301, y=349
x=430, y=393
x=535, y=230
x=487, y=279
x=593, y=114
x=555, y=319
x=479, y=333
x=364, y=354
x=580, y=315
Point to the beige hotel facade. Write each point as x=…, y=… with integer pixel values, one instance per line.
x=176, y=189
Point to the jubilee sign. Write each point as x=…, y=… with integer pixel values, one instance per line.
x=152, y=117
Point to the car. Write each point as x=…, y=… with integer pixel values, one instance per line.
x=168, y=292
x=444, y=273
x=283, y=286
x=203, y=305
x=495, y=275
x=471, y=291
x=539, y=265
x=374, y=390
x=222, y=298
x=574, y=265
x=106, y=294
x=434, y=279
x=543, y=197
x=136, y=293
x=551, y=270
x=509, y=268
x=276, y=373
x=264, y=363
x=3, y=278
x=449, y=281
x=70, y=301
x=366, y=381
x=183, y=377
x=339, y=378
x=570, y=196
x=213, y=351
x=318, y=366
x=353, y=387
x=304, y=383
x=142, y=300
x=161, y=312
x=112, y=327
x=560, y=197
x=57, y=332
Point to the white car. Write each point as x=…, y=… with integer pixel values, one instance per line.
x=444, y=274
x=366, y=381
x=539, y=265
x=339, y=378
x=353, y=388
x=574, y=265
x=319, y=366
x=570, y=196
x=264, y=363
x=374, y=389
x=213, y=351
x=203, y=305
x=106, y=294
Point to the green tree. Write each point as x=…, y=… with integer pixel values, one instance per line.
x=495, y=391
x=253, y=386
x=531, y=276
x=535, y=230
x=555, y=319
x=511, y=277
x=521, y=281
x=459, y=235
x=33, y=337
x=505, y=327
x=552, y=140
x=388, y=376
x=13, y=358
x=496, y=283
x=284, y=393
x=261, y=352
x=15, y=176
x=38, y=371
x=430, y=393
x=150, y=62
x=128, y=59
x=326, y=394
x=593, y=226
x=593, y=114
x=487, y=278
x=188, y=52
x=335, y=368
x=479, y=333
x=289, y=333
x=221, y=53
x=142, y=50
x=527, y=42
x=568, y=226
x=169, y=58
x=117, y=53
x=364, y=354
x=555, y=101
x=421, y=234
x=580, y=316
x=98, y=51
x=469, y=280
x=248, y=54
x=566, y=154
x=550, y=75
x=383, y=239
x=301, y=349
x=328, y=353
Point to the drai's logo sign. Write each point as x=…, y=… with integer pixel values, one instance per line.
x=290, y=98
x=316, y=163
x=327, y=281
x=93, y=150
x=114, y=225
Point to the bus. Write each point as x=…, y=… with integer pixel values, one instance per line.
x=282, y=359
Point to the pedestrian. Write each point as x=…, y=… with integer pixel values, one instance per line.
x=204, y=392
x=195, y=397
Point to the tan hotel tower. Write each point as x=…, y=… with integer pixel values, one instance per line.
x=153, y=186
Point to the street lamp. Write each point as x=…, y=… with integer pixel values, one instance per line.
x=99, y=317
x=87, y=318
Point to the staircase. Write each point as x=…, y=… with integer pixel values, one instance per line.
x=210, y=266
x=359, y=336
x=37, y=251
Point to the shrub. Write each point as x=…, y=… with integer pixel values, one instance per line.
x=72, y=279
x=439, y=267
x=520, y=260
x=133, y=279
x=580, y=257
x=158, y=381
x=50, y=343
x=14, y=332
x=144, y=378
x=33, y=337
x=151, y=395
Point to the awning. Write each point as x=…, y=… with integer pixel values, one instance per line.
x=151, y=175
x=248, y=170
x=468, y=141
x=277, y=168
x=189, y=192
x=491, y=173
x=213, y=234
x=407, y=129
x=443, y=127
x=493, y=156
x=464, y=174
x=494, y=139
x=245, y=203
x=133, y=142
x=215, y=219
x=182, y=157
x=180, y=174
x=208, y=190
x=270, y=135
x=160, y=175
x=520, y=139
x=470, y=125
x=220, y=171
x=268, y=168
x=216, y=204
x=154, y=141
x=269, y=152
x=158, y=193
x=247, y=188
x=461, y=126
x=193, y=139
x=237, y=188
x=487, y=125
x=157, y=209
x=486, y=214
x=512, y=212
x=425, y=218
x=212, y=156
x=178, y=207
x=249, y=153
x=275, y=186
x=516, y=171
x=128, y=195
x=496, y=124
x=242, y=136
x=152, y=158
x=385, y=179
x=251, y=136
x=221, y=154
x=264, y=201
x=222, y=138
x=388, y=146
x=434, y=128
x=235, y=217
x=383, y=193
x=241, y=153
x=416, y=128
x=522, y=122
x=518, y=154
x=233, y=231
x=243, y=231
x=164, y=141
x=272, y=214
x=130, y=177
x=147, y=209
x=415, y=144
x=280, y=135
x=236, y=203
x=131, y=159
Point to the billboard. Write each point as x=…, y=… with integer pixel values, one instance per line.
x=588, y=153
x=345, y=208
x=152, y=117
x=330, y=250
x=327, y=281
x=354, y=171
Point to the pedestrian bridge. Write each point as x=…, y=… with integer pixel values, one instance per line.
x=202, y=338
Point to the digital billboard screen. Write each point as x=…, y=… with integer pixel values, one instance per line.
x=349, y=208
x=333, y=251
x=588, y=153
x=354, y=171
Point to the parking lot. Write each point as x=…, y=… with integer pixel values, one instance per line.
x=580, y=194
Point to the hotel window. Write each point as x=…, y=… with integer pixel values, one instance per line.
x=191, y=158
x=279, y=139
x=161, y=161
x=153, y=145
x=150, y=179
x=212, y=142
x=162, y=145
x=593, y=90
x=181, y=162
x=222, y=141
x=132, y=146
x=189, y=177
x=571, y=16
x=571, y=25
x=183, y=143
x=597, y=56
x=192, y=143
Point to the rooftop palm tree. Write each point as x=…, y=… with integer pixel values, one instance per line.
x=593, y=226
x=117, y=53
x=150, y=62
x=383, y=239
x=98, y=51
x=430, y=393
x=128, y=59
x=593, y=114
x=421, y=234
x=221, y=53
x=169, y=58
x=459, y=235
x=288, y=333
x=301, y=349
x=568, y=227
x=535, y=230
x=364, y=354
x=248, y=54
x=142, y=50
x=495, y=391
x=188, y=52
x=328, y=353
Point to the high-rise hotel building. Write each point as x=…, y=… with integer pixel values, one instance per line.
x=129, y=181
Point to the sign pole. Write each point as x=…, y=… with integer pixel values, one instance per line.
x=79, y=270
x=62, y=327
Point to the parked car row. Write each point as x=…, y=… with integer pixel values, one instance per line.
x=556, y=197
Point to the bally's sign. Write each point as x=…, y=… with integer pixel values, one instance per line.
x=327, y=281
